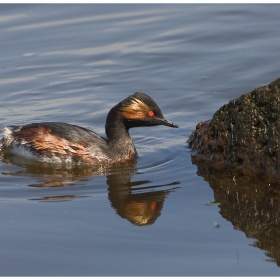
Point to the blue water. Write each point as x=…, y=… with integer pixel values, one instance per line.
x=154, y=217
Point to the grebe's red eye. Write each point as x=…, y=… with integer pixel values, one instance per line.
x=151, y=113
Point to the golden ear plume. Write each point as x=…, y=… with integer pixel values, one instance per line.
x=135, y=109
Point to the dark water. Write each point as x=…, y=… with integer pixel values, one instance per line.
x=154, y=216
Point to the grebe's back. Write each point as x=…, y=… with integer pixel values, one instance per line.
x=56, y=142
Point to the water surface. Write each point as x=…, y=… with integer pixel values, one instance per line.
x=161, y=214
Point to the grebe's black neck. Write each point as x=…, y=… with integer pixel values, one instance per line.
x=118, y=136
x=115, y=127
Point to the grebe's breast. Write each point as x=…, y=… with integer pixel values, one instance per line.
x=57, y=142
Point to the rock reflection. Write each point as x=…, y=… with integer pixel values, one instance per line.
x=251, y=203
x=139, y=202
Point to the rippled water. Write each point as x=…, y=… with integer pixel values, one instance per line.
x=162, y=214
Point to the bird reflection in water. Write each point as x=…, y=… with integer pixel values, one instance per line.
x=139, y=205
x=139, y=202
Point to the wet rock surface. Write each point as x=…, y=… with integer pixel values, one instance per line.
x=244, y=133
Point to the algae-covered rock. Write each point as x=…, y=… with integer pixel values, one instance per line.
x=245, y=132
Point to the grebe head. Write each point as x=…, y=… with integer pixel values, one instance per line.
x=140, y=109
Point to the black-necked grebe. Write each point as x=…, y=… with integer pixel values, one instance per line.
x=60, y=142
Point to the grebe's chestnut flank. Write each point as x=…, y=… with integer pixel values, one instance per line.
x=60, y=142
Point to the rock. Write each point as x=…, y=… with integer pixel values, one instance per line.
x=244, y=133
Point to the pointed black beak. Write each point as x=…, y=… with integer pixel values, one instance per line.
x=166, y=122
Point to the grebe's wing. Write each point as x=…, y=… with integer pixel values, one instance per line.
x=51, y=140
